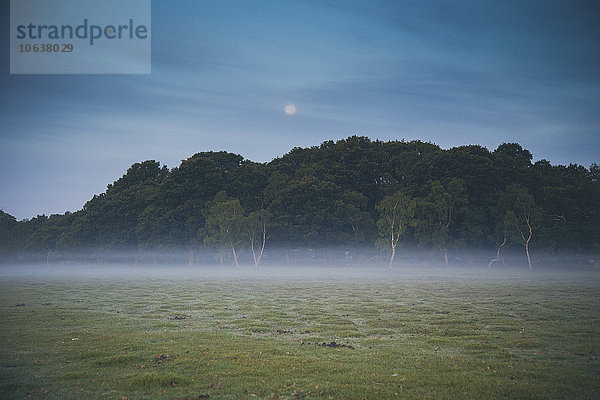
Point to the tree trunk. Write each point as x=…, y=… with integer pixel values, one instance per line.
x=355, y=230
x=498, y=257
x=528, y=239
x=262, y=246
x=394, y=243
x=528, y=256
x=527, y=242
x=235, y=259
x=191, y=256
x=445, y=255
x=251, y=235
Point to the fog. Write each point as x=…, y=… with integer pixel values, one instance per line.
x=327, y=264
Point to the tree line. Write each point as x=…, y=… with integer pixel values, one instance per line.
x=351, y=194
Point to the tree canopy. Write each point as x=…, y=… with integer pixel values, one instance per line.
x=349, y=194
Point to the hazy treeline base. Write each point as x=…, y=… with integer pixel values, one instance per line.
x=347, y=195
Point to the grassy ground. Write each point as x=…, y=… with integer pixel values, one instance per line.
x=523, y=336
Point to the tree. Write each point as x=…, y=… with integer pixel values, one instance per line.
x=502, y=234
x=595, y=173
x=256, y=224
x=351, y=211
x=395, y=214
x=522, y=216
x=502, y=224
x=8, y=225
x=516, y=153
x=326, y=196
x=225, y=223
x=110, y=220
x=305, y=211
x=438, y=213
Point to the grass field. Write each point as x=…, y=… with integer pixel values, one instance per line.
x=334, y=335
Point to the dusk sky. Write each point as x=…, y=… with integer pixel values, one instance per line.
x=449, y=72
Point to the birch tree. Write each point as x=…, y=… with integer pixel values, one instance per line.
x=502, y=224
x=256, y=224
x=522, y=216
x=225, y=223
x=395, y=215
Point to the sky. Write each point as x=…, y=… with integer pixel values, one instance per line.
x=448, y=72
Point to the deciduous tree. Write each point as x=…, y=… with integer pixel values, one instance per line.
x=395, y=215
x=256, y=225
x=438, y=213
x=225, y=223
x=522, y=216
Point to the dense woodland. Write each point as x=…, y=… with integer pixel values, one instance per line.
x=358, y=198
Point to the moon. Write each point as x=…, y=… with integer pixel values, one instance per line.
x=290, y=109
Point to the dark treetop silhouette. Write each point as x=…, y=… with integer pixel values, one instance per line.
x=353, y=193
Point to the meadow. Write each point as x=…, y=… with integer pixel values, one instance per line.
x=316, y=334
